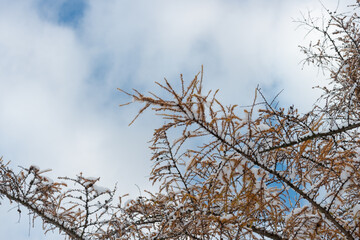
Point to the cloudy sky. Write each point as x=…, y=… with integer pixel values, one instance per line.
x=62, y=60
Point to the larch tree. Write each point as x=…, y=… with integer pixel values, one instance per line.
x=267, y=173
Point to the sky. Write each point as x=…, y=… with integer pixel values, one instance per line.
x=61, y=62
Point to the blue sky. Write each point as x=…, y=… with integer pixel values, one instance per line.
x=61, y=62
x=62, y=12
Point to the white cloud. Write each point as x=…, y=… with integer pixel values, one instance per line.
x=58, y=103
x=240, y=44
